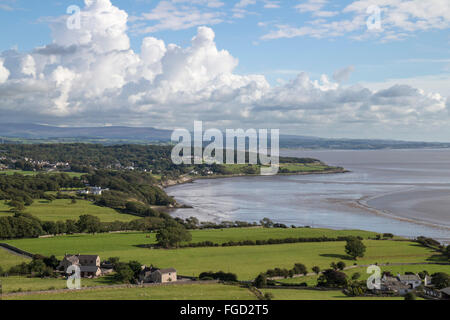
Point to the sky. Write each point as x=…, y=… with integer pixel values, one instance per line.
x=355, y=69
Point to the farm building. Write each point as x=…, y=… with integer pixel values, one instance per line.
x=154, y=275
x=89, y=265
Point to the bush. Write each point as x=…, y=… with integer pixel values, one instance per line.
x=410, y=296
x=332, y=279
x=222, y=276
x=260, y=281
x=268, y=296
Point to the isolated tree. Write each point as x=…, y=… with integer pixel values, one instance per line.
x=355, y=248
x=316, y=269
x=171, y=234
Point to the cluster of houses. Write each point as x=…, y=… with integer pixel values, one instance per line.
x=96, y=191
x=39, y=164
x=91, y=267
x=403, y=284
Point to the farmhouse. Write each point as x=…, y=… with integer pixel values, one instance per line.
x=154, y=275
x=96, y=191
x=411, y=280
x=392, y=284
x=89, y=265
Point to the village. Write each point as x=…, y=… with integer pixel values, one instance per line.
x=91, y=266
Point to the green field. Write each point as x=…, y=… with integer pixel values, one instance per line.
x=293, y=294
x=16, y=284
x=431, y=268
x=61, y=210
x=33, y=173
x=259, y=233
x=246, y=261
x=8, y=259
x=172, y=292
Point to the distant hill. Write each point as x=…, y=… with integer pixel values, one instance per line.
x=354, y=144
x=34, y=133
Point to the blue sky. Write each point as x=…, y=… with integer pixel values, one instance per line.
x=422, y=53
x=275, y=39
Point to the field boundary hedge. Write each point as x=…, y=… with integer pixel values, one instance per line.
x=17, y=250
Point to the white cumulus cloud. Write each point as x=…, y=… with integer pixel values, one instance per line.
x=92, y=76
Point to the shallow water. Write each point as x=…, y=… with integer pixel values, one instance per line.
x=405, y=192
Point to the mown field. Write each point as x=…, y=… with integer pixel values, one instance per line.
x=8, y=259
x=33, y=173
x=246, y=261
x=22, y=284
x=430, y=268
x=292, y=294
x=172, y=292
x=61, y=210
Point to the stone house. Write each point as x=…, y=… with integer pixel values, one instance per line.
x=392, y=284
x=154, y=275
x=411, y=280
x=89, y=265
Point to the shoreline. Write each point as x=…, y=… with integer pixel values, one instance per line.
x=189, y=179
x=360, y=203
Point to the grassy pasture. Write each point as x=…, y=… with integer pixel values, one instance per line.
x=172, y=292
x=246, y=261
x=61, y=210
x=16, y=283
x=8, y=259
x=292, y=294
x=33, y=173
x=431, y=268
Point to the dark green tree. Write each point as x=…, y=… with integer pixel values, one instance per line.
x=410, y=296
x=171, y=234
x=316, y=269
x=355, y=248
x=124, y=273
x=89, y=223
x=260, y=281
x=341, y=265
x=300, y=268
x=440, y=280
